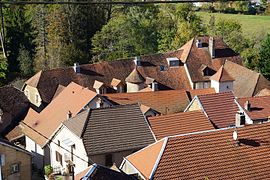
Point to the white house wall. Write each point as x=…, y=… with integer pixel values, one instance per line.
x=80, y=158
x=36, y=150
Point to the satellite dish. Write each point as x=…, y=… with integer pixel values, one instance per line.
x=235, y=135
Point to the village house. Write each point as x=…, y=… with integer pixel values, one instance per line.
x=164, y=102
x=256, y=108
x=179, y=123
x=228, y=153
x=15, y=162
x=38, y=128
x=220, y=109
x=189, y=67
x=13, y=108
x=102, y=136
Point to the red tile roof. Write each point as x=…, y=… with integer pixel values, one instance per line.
x=220, y=108
x=221, y=76
x=247, y=82
x=179, y=123
x=170, y=78
x=201, y=56
x=263, y=92
x=165, y=102
x=73, y=98
x=260, y=107
x=214, y=155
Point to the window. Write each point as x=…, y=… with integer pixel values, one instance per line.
x=161, y=68
x=15, y=168
x=58, y=157
x=37, y=98
x=27, y=93
x=108, y=160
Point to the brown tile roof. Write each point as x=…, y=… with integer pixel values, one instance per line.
x=150, y=153
x=247, y=82
x=13, y=106
x=15, y=133
x=221, y=75
x=135, y=77
x=165, y=102
x=76, y=123
x=260, y=107
x=214, y=155
x=171, y=78
x=263, y=92
x=56, y=112
x=201, y=56
x=195, y=92
x=220, y=108
x=179, y=123
x=58, y=90
x=115, y=129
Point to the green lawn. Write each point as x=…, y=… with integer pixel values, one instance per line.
x=251, y=24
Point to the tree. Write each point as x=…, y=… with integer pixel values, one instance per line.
x=177, y=25
x=25, y=61
x=264, y=60
x=127, y=34
x=230, y=30
x=3, y=70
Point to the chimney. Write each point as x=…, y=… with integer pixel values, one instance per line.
x=76, y=68
x=198, y=43
x=137, y=61
x=154, y=86
x=69, y=115
x=239, y=119
x=211, y=46
x=247, y=105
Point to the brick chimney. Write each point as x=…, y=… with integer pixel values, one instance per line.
x=211, y=46
x=239, y=119
x=69, y=115
x=76, y=68
x=198, y=43
x=247, y=105
x=137, y=61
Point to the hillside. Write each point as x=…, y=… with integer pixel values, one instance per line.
x=251, y=24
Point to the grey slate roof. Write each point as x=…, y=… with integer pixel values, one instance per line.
x=76, y=123
x=115, y=129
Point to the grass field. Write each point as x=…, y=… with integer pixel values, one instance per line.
x=251, y=24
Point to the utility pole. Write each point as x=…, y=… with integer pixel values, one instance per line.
x=2, y=39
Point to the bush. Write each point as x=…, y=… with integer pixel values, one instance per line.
x=48, y=170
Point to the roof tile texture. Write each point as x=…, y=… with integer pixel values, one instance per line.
x=215, y=155
x=73, y=98
x=220, y=108
x=260, y=107
x=115, y=129
x=179, y=123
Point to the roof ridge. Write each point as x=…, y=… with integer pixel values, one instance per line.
x=115, y=106
x=202, y=132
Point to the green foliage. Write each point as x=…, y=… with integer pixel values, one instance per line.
x=130, y=34
x=25, y=61
x=177, y=25
x=145, y=30
x=230, y=30
x=264, y=60
x=48, y=170
x=3, y=70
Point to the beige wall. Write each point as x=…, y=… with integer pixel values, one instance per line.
x=194, y=106
x=134, y=87
x=31, y=93
x=117, y=157
x=13, y=156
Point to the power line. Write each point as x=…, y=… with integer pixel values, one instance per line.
x=58, y=144
x=105, y=2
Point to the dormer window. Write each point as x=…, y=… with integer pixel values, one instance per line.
x=137, y=61
x=206, y=71
x=100, y=87
x=173, y=62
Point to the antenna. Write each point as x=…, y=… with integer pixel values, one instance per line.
x=235, y=135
